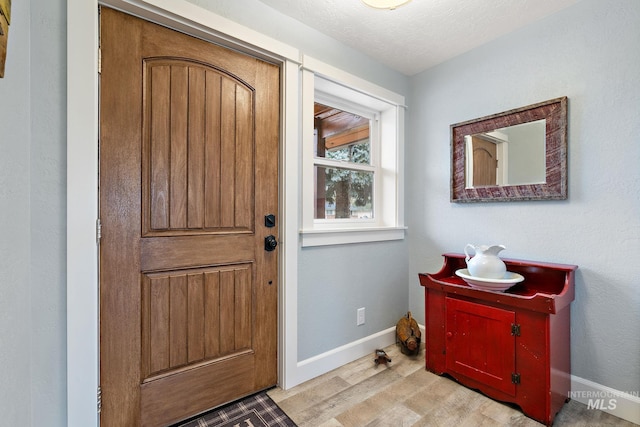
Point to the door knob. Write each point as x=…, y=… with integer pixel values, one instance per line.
x=270, y=243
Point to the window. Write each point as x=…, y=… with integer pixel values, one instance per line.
x=344, y=172
x=352, y=145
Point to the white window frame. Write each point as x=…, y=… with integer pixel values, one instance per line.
x=325, y=84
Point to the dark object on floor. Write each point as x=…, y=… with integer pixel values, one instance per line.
x=381, y=357
x=257, y=410
x=408, y=335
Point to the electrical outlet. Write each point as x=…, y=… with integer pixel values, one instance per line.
x=360, y=320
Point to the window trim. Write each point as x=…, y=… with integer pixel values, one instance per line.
x=324, y=83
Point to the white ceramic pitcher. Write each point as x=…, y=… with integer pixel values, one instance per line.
x=486, y=263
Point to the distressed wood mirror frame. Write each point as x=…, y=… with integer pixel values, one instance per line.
x=554, y=111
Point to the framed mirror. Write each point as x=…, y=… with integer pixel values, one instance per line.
x=519, y=154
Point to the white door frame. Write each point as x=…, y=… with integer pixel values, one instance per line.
x=82, y=181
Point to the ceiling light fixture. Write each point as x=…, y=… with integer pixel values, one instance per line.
x=385, y=4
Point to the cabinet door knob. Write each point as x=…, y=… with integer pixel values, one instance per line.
x=449, y=334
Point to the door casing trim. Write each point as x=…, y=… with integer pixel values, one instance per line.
x=82, y=181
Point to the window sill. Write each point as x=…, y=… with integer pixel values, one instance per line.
x=350, y=235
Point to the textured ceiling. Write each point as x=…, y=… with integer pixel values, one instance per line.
x=422, y=33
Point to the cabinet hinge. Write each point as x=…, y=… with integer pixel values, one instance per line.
x=515, y=378
x=99, y=60
x=99, y=399
x=98, y=230
x=515, y=329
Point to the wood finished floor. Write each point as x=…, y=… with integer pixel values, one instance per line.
x=403, y=393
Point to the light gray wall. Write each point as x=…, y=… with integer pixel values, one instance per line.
x=15, y=233
x=588, y=52
x=32, y=217
x=48, y=212
x=334, y=282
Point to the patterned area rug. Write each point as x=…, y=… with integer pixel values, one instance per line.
x=257, y=410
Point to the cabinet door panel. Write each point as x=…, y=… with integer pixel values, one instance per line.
x=479, y=343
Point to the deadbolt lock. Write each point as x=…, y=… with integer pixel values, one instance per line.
x=270, y=220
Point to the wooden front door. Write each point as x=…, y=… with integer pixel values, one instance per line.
x=189, y=137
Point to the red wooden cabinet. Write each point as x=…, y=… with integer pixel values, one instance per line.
x=514, y=346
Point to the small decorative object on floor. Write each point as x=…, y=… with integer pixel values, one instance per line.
x=408, y=335
x=381, y=357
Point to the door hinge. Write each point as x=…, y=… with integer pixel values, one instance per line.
x=98, y=230
x=515, y=378
x=515, y=329
x=99, y=397
x=99, y=60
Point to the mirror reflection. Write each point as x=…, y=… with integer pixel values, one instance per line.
x=520, y=154
x=512, y=155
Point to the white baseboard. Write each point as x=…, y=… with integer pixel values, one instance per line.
x=332, y=359
x=622, y=404
x=315, y=366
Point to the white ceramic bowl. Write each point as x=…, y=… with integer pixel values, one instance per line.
x=500, y=285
